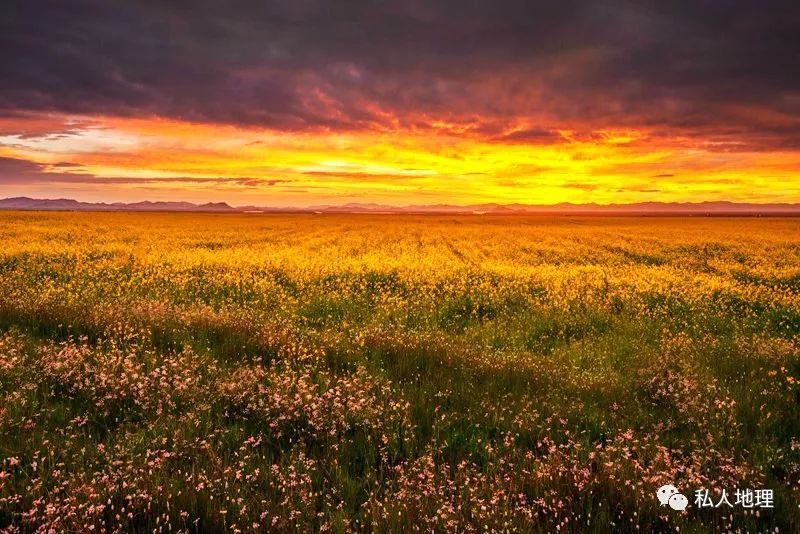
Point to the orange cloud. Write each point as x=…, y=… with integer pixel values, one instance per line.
x=135, y=158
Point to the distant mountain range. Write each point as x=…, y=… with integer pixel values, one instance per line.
x=640, y=208
x=67, y=204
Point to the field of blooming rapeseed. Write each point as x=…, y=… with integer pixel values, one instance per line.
x=170, y=372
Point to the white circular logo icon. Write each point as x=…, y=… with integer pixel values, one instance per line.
x=678, y=502
x=665, y=492
x=669, y=495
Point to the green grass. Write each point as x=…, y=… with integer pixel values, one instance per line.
x=226, y=396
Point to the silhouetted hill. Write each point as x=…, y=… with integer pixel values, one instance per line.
x=62, y=204
x=640, y=208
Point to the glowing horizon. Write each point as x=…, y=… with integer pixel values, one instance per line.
x=157, y=159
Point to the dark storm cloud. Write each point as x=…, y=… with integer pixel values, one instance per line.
x=699, y=67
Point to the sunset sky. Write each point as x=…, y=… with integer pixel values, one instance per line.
x=302, y=102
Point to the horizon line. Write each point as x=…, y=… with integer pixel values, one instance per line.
x=710, y=207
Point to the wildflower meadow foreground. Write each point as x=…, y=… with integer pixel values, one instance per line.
x=233, y=373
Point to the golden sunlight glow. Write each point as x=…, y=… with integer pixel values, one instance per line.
x=154, y=158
